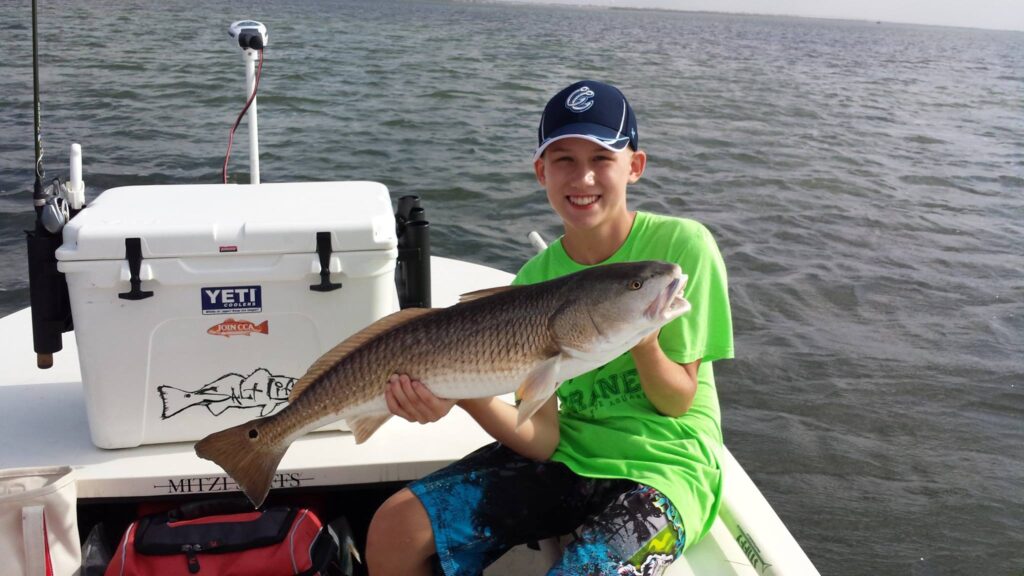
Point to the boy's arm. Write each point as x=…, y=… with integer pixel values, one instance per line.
x=537, y=438
x=670, y=386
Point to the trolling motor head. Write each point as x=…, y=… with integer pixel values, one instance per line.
x=249, y=34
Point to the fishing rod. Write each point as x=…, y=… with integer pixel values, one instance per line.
x=38, y=195
x=54, y=205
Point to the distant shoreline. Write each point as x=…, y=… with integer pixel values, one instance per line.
x=601, y=6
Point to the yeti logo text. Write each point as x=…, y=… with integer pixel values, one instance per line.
x=580, y=100
x=232, y=299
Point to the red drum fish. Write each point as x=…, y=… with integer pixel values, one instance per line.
x=523, y=338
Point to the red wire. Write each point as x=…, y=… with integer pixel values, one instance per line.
x=231, y=136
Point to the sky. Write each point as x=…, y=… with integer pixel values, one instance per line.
x=993, y=14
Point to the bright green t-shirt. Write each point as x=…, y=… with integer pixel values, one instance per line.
x=608, y=427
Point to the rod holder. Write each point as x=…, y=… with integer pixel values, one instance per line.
x=412, y=271
x=48, y=296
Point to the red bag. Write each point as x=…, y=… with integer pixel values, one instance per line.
x=277, y=541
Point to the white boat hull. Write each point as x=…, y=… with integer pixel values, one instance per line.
x=46, y=425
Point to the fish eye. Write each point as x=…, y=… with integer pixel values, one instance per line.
x=635, y=285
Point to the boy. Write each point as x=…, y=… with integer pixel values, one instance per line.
x=630, y=464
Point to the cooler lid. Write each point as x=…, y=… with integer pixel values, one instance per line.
x=221, y=219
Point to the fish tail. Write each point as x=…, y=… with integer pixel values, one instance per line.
x=175, y=400
x=247, y=455
x=263, y=327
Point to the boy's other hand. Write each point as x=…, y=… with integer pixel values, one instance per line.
x=411, y=400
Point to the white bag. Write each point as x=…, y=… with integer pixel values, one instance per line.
x=39, y=522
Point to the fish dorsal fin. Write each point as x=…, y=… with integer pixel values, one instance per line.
x=334, y=355
x=477, y=294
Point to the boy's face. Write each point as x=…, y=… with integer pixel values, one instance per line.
x=586, y=183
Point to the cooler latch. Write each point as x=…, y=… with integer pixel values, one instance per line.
x=323, y=250
x=133, y=253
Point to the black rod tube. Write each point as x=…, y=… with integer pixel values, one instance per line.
x=405, y=206
x=48, y=297
x=418, y=265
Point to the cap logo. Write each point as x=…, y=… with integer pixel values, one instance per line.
x=580, y=100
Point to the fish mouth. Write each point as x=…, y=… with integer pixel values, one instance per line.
x=670, y=302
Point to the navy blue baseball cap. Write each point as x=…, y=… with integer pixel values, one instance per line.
x=592, y=110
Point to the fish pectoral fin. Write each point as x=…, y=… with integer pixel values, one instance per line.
x=364, y=426
x=539, y=385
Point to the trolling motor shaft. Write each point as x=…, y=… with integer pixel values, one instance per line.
x=252, y=38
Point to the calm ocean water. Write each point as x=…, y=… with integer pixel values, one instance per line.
x=865, y=182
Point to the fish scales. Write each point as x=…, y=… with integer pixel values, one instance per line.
x=487, y=340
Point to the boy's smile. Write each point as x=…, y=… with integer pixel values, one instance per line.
x=586, y=185
x=583, y=201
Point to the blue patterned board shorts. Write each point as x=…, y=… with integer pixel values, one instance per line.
x=494, y=499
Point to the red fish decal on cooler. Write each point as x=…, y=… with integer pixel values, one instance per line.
x=231, y=327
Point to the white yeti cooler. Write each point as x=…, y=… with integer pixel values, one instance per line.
x=197, y=307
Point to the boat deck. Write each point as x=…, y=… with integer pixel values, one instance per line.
x=45, y=424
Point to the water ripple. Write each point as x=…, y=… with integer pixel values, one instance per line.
x=864, y=183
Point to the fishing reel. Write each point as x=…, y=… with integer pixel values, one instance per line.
x=61, y=200
x=56, y=212
x=249, y=34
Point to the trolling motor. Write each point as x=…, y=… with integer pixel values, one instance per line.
x=54, y=206
x=252, y=38
x=249, y=34
x=412, y=271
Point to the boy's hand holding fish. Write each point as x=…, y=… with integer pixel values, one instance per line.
x=410, y=399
